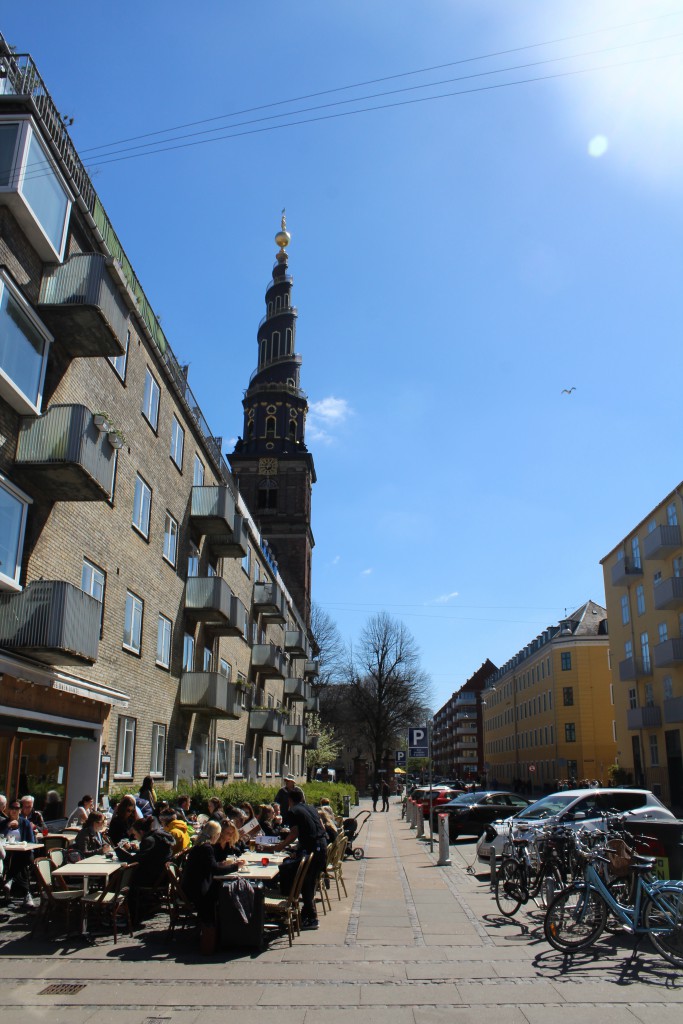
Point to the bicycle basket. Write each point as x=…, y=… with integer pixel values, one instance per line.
x=620, y=857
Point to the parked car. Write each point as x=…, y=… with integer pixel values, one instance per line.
x=579, y=807
x=470, y=813
x=439, y=796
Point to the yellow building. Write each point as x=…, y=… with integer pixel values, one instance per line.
x=644, y=597
x=548, y=714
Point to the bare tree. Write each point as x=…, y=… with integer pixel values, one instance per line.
x=387, y=690
x=330, y=646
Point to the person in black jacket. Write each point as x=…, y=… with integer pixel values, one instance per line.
x=305, y=827
x=154, y=851
x=89, y=840
x=203, y=874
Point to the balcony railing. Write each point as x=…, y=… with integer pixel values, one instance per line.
x=311, y=741
x=268, y=660
x=631, y=669
x=209, y=599
x=669, y=652
x=81, y=305
x=281, y=311
x=644, y=718
x=313, y=705
x=212, y=511
x=210, y=693
x=669, y=593
x=51, y=621
x=673, y=710
x=267, y=722
x=625, y=571
x=62, y=456
x=311, y=668
x=296, y=689
x=294, y=734
x=661, y=542
x=295, y=642
x=270, y=601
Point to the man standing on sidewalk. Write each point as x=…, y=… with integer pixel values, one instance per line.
x=375, y=795
x=385, y=795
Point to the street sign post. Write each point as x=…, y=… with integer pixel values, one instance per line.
x=419, y=745
x=401, y=758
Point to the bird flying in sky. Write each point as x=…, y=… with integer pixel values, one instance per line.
x=567, y=391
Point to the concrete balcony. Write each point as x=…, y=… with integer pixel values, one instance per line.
x=83, y=308
x=661, y=542
x=295, y=642
x=267, y=660
x=311, y=669
x=212, y=514
x=294, y=734
x=669, y=652
x=631, y=669
x=669, y=593
x=644, y=718
x=313, y=705
x=269, y=601
x=210, y=693
x=311, y=741
x=296, y=689
x=62, y=456
x=673, y=710
x=209, y=599
x=624, y=572
x=266, y=722
x=51, y=621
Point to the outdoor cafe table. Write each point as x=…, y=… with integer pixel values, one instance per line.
x=97, y=866
x=20, y=847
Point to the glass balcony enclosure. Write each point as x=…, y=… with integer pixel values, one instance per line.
x=24, y=344
x=32, y=187
x=13, y=509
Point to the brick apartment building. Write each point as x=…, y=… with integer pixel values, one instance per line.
x=146, y=624
x=458, y=750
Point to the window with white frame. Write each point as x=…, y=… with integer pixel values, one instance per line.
x=246, y=562
x=640, y=599
x=225, y=668
x=667, y=687
x=654, y=752
x=142, y=506
x=663, y=632
x=120, y=362
x=150, y=401
x=132, y=627
x=278, y=762
x=259, y=761
x=193, y=561
x=188, y=652
x=635, y=553
x=24, y=346
x=13, y=511
x=242, y=680
x=93, y=582
x=32, y=184
x=170, y=539
x=678, y=566
x=207, y=659
x=203, y=755
x=672, y=514
x=238, y=761
x=125, y=746
x=198, y=473
x=164, y=633
x=269, y=763
x=158, y=757
x=649, y=695
x=625, y=613
x=222, y=754
x=177, y=443
x=645, y=651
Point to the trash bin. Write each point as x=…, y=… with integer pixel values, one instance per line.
x=347, y=805
x=667, y=845
x=232, y=930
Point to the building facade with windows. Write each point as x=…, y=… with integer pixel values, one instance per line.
x=457, y=735
x=145, y=626
x=549, y=715
x=644, y=597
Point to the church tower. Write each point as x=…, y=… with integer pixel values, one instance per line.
x=271, y=463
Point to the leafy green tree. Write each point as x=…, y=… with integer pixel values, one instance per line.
x=327, y=751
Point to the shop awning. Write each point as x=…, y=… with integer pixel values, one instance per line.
x=62, y=732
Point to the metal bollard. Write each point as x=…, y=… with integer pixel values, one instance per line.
x=494, y=871
x=346, y=799
x=444, y=846
x=411, y=815
x=420, y=823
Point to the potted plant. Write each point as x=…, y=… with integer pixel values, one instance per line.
x=116, y=438
x=101, y=421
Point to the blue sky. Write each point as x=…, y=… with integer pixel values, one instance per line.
x=457, y=263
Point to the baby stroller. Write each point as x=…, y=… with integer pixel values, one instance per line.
x=352, y=828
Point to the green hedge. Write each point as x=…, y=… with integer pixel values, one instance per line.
x=236, y=792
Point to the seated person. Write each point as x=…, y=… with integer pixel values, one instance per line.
x=177, y=828
x=89, y=840
x=215, y=809
x=266, y=819
x=79, y=816
x=203, y=873
x=154, y=851
x=328, y=823
x=229, y=843
x=122, y=820
x=183, y=809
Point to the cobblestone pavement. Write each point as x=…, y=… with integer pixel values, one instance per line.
x=411, y=944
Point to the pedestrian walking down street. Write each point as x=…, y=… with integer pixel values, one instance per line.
x=375, y=796
x=385, y=796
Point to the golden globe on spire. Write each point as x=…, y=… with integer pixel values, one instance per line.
x=283, y=237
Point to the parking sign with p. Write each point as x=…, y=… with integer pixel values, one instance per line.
x=418, y=742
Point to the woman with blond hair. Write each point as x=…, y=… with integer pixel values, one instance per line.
x=203, y=873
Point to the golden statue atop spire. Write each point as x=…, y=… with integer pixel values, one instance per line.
x=283, y=237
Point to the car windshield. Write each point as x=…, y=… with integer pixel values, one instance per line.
x=466, y=798
x=548, y=806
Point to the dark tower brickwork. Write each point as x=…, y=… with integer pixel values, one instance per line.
x=272, y=465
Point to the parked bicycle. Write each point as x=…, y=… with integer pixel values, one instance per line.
x=537, y=869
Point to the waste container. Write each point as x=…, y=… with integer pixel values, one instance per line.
x=667, y=846
x=232, y=929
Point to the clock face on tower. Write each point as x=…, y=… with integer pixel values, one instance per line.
x=267, y=466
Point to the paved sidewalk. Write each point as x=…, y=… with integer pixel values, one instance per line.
x=412, y=944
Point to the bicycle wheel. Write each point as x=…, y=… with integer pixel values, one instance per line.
x=510, y=888
x=663, y=917
x=575, y=919
x=551, y=884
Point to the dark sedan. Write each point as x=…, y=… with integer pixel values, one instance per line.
x=470, y=813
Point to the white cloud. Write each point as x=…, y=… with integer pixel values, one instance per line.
x=366, y=572
x=336, y=560
x=326, y=415
x=445, y=598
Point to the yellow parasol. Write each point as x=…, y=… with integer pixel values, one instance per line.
x=398, y=771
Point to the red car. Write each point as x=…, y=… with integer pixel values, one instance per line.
x=440, y=795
